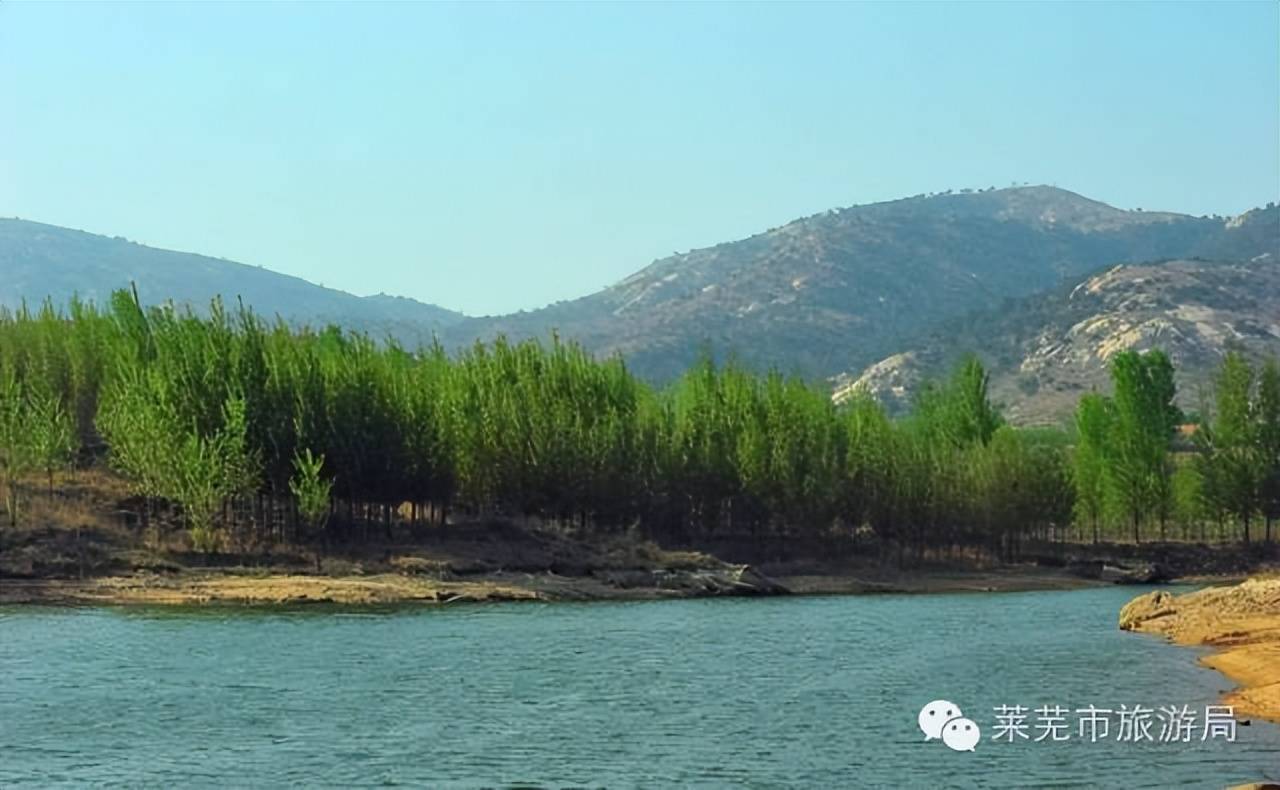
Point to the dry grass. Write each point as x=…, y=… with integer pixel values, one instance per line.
x=77, y=530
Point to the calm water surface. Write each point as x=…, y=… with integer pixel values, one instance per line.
x=786, y=692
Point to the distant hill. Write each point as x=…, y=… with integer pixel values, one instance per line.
x=842, y=289
x=1044, y=351
x=39, y=261
x=824, y=296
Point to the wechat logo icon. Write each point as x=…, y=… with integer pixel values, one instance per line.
x=943, y=720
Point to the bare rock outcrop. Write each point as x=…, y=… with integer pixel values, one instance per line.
x=1242, y=621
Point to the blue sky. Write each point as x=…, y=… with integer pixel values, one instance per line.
x=492, y=157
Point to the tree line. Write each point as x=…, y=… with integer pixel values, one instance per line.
x=1137, y=460
x=246, y=432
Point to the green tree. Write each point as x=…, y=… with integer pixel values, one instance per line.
x=1267, y=434
x=1089, y=460
x=1231, y=441
x=209, y=471
x=1138, y=467
x=52, y=434
x=311, y=490
x=17, y=455
x=1189, y=506
x=959, y=411
x=219, y=418
x=140, y=429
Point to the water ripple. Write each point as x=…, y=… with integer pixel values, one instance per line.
x=803, y=692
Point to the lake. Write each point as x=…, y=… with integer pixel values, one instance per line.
x=776, y=692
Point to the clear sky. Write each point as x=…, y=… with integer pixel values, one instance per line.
x=492, y=157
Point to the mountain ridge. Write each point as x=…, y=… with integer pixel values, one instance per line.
x=799, y=293
x=822, y=296
x=48, y=261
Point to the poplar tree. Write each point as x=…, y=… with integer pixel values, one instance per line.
x=1267, y=433
x=17, y=456
x=1138, y=469
x=226, y=421
x=52, y=434
x=1093, y=422
x=311, y=490
x=1233, y=450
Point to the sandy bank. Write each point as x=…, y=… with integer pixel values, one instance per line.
x=254, y=588
x=222, y=588
x=259, y=587
x=1241, y=621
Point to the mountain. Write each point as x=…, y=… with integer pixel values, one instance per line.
x=824, y=296
x=39, y=261
x=838, y=290
x=1045, y=350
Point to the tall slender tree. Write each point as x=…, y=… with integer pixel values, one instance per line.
x=1231, y=441
x=1138, y=468
x=1089, y=460
x=1267, y=433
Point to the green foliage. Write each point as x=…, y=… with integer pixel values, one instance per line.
x=210, y=469
x=1237, y=445
x=959, y=411
x=1267, y=434
x=139, y=426
x=234, y=426
x=36, y=434
x=1089, y=460
x=16, y=453
x=1190, y=506
x=310, y=489
x=52, y=435
x=1137, y=468
x=174, y=424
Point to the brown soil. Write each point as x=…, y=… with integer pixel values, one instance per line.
x=1241, y=621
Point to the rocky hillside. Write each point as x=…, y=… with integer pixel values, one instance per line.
x=40, y=261
x=1045, y=350
x=839, y=290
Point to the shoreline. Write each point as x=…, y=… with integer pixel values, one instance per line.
x=1241, y=623
x=250, y=587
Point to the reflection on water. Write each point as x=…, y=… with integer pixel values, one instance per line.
x=810, y=692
